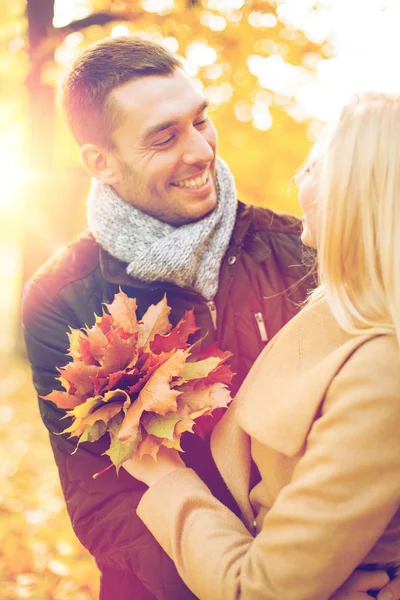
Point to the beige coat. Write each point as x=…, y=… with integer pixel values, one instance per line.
x=320, y=415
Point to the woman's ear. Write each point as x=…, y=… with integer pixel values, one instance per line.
x=99, y=163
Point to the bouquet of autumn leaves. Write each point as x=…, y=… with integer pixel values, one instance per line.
x=142, y=382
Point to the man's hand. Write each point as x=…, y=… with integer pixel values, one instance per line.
x=150, y=471
x=357, y=586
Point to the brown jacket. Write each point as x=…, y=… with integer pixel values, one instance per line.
x=261, y=277
x=319, y=414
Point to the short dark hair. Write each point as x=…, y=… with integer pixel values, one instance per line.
x=86, y=91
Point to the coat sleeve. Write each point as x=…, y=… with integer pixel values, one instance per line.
x=102, y=511
x=343, y=493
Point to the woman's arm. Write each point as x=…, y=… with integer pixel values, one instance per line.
x=344, y=491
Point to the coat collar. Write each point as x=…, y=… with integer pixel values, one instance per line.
x=230, y=447
x=285, y=389
x=281, y=396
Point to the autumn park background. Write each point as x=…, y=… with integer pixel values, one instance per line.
x=273, y=71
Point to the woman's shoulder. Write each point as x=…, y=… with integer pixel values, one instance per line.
x=377, y=361
x=311, y=364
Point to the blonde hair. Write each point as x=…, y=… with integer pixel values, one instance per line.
x=358, y=215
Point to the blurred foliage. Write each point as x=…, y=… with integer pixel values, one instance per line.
x=263, y=137
x=40, y=557
x=218, y=35
x=248, y=57
x=262, y=161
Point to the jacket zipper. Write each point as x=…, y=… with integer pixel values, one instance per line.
x=261, y=326
x=213, y=312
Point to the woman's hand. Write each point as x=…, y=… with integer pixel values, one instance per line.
x=150, y=471
x=357, y=586
x=391, y=591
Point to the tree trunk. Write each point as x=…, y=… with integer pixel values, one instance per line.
x=40, y=15
x=52, y=199
x=40, y=143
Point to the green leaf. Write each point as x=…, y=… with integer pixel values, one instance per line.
x=199, y=369
x=81, y=412
x=119, y=452
x=92, y=433
x=159, y=425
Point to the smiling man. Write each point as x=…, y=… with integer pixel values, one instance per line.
x=163, y=218
x=164, y=149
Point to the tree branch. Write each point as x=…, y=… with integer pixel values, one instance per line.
x=101, y=19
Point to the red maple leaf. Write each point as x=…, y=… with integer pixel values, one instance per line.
x=178, y=337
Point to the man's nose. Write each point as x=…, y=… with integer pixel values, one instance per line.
x=197, y=149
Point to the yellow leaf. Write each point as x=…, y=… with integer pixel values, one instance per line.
x=199, y=369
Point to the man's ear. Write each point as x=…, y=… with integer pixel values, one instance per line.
x=99, y=163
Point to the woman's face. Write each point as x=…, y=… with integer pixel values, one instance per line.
x=306, y=181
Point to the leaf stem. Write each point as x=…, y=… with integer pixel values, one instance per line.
x=96, y=475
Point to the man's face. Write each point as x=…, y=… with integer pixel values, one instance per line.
x=165, y=149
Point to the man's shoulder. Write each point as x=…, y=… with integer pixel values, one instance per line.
x=259, y=218
x=272, y=236
x=71, y=263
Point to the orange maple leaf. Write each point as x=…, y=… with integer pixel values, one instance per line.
x=150, y=444
x=154, y=321
x=156, y=396
x=123, y=312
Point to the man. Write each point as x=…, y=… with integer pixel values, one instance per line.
x=164, y=218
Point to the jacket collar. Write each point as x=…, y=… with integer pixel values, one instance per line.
x=282, y=395
x=231, y=450
x=288, y=383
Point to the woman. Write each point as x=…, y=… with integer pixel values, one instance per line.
x=319, y=412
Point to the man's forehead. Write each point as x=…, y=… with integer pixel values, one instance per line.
x=153, y=99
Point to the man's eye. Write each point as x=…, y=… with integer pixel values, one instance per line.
x=202, y=121
x=165, y=142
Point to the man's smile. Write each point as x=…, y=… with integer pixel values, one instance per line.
x=193, y=182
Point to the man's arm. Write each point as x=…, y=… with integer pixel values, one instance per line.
x=103, y=515
x=102, y=511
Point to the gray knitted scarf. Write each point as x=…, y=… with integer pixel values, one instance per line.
x=188, y=255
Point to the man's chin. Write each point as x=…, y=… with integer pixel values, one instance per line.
x=206, y=208
x=193, y=217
